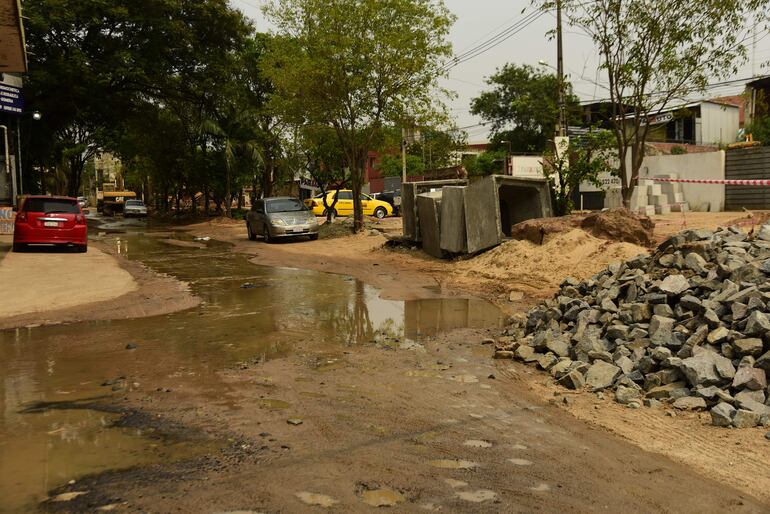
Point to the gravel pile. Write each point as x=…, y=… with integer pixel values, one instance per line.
x=688, y=326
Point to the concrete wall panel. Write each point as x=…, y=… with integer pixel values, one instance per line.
x=429, y=207
x=453, y=235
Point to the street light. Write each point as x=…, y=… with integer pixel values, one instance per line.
x=37, y=116
x=507, y=157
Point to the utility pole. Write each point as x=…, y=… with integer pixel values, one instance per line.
x=562, y=131
x=403, y=154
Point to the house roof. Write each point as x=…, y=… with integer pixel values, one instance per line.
x=13, y=52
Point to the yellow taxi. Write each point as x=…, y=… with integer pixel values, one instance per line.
x=344, y=205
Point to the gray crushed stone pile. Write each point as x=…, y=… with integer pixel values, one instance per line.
x=688, y=326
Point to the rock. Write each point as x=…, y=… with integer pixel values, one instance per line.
x=664, y=310
x=558, y=347
x=601, y=375
x=526, y=354
x=750, y=346
x=294, y=421
x=764, y=362
x=717, y=335
x=624, y=395
x=764, y=233
x=130, y=346
x=757, y=324
x=653, y=403
x=674, y=284
x=746, y=394
x=625, y=364
x=689, y=403
x=560, y=368
x=573, y=380
x=503, y=354
x=547, y=361
x=641, y=312
x=750, y=378
x=722, y=415
x=515, y=296
x=664, y=391
x=706, y=368
x=696, y=263
x=751, y=405
x=745, y=419
x=660, y=329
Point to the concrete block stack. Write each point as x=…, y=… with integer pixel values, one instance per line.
x=651, y=197
x=688, y=327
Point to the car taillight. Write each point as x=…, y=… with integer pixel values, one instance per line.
x=80, y=219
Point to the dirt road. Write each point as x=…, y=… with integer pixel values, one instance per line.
x=289, y=391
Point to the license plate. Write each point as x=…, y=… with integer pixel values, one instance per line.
x=50, y=223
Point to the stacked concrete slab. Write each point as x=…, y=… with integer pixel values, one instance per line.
x=429, y=209
x=409, y=213
x=651, y=197
x=468, y=219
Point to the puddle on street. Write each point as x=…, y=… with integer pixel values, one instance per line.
x=279, y=309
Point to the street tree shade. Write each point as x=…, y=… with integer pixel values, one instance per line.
x=356, y=65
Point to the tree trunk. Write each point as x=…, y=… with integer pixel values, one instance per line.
x=240, y=198
x=73, y=177
x=206, y=200
x=357, y=183
x=228, y=193
x=178, y=195
x=267, y=176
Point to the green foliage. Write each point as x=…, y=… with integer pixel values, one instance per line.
x=391, y=165
x=759, y=129
x=678, y=150
x=585, y=159
x=356, y=65
x=486, y=163
x=523, y=106
x=658, y=51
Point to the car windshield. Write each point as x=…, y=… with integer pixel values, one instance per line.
x=134, y=202
x=284, y=205
x=51, y=205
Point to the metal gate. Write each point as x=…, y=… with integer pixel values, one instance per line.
x=746, y=164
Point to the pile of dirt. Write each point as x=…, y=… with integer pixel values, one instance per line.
x=538, y=269
x=613, y=225
x=620, y=225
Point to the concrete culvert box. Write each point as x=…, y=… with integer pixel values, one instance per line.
x=495, y=203
x=410, y=217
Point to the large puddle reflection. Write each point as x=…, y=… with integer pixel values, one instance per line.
x=248, y=313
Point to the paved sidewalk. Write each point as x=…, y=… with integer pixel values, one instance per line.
x=51, y=279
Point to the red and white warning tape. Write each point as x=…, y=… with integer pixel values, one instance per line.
x=714, y=181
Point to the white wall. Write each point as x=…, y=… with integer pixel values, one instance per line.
x=719, y=124
x=707, y=165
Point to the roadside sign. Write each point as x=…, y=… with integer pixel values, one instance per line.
x=11, y=99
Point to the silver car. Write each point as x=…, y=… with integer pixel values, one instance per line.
x=134, y=208
x=278, y=217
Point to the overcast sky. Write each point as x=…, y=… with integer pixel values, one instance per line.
x=478, y=20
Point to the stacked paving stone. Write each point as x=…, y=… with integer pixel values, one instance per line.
x=650, y=197
x=688, y=326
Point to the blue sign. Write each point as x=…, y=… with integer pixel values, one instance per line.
x=11, y=99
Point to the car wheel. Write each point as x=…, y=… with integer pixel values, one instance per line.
x=252, y=235
x=266, y=234
x=326, y=213
x=380, y=212
x=19, y=247
x=313, y=237
x=82, y=248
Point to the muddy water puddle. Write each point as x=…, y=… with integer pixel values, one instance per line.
x=249, y=313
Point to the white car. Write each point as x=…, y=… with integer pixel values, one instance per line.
x=134, y=208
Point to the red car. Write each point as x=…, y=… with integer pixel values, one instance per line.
x=54, y=220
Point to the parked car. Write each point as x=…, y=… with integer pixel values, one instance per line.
x=56, y=220
x=278, y=217
x=393, y=198
x=82, y=202
x=134, y=208
x=344, y=205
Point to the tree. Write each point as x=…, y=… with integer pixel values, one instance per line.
x=485, y=163
x=584, y=159
x=357, y=64
x=523, y=106
x=658, y=52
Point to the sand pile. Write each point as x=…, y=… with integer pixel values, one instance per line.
x=538, y=270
